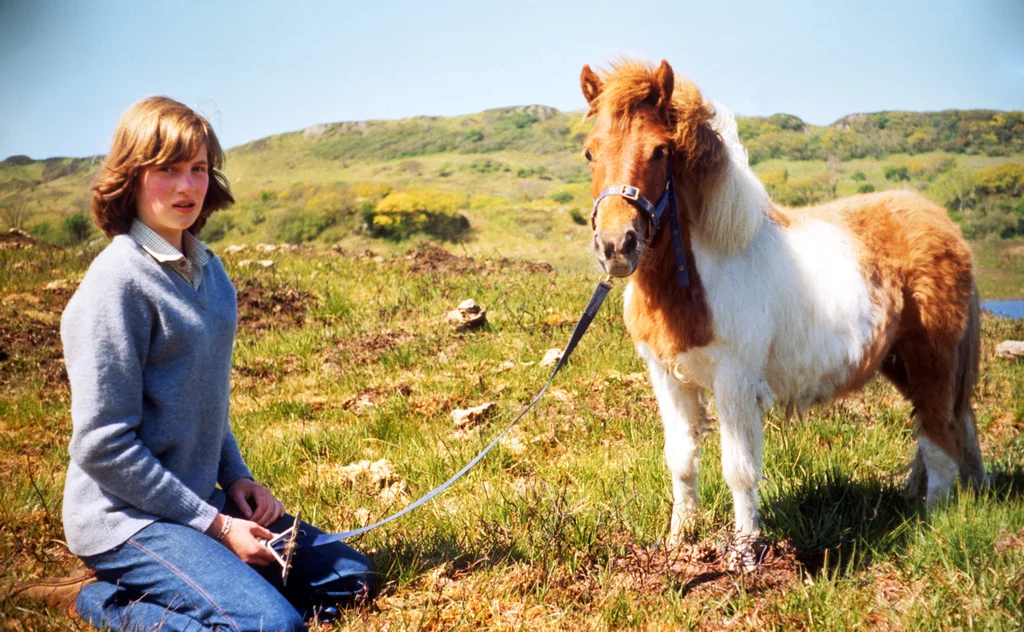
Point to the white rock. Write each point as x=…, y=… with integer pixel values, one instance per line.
x=264, y=263
x=59, y=284
x=468, y=418
x=1010, y=349
x=468, y=315
x=552, y=357
x=233, y=248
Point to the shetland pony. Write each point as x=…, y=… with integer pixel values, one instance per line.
x=783, y=306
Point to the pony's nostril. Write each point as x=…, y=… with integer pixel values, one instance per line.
x=629, y=244
x=609, y=250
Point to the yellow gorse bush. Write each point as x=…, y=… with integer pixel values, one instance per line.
x=432, y=200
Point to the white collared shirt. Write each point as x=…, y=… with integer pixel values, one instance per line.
x=187, y=265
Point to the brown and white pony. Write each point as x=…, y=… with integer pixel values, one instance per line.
x=787, y=307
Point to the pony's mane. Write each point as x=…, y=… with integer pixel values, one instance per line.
x=629, y=84
x=735, y=202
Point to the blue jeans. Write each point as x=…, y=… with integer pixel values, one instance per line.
x=171, y=577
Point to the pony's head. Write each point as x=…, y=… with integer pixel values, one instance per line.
x=645, y=120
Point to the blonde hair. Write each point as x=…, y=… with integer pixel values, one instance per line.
x=155, y=131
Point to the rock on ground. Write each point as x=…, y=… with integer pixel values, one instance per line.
x=468, y=418
x=468, y=315
x=1010, y=349
x=552, y=357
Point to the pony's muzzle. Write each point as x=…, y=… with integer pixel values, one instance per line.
x=618, y=254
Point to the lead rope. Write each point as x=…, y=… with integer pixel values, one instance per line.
x=286, y=543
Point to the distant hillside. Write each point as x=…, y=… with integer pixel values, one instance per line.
x=358, y=182
x=987, y=132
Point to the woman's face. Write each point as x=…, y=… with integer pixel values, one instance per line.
x=170, y=197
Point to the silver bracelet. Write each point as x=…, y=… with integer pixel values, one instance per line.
x=225, y=528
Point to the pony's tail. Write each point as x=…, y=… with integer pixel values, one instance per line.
x=972, y=470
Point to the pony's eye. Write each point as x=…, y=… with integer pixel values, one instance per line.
x=586, y=154
x=659, y=153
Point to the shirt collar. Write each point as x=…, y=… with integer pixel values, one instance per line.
x=161, y=250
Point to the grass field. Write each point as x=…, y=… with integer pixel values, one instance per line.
x=344, y=357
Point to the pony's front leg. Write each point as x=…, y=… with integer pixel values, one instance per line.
x=741, y=400
x=684, y=418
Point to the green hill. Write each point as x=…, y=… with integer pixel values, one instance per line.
x=512, y=179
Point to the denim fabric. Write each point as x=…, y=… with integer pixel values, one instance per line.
x=171, y=577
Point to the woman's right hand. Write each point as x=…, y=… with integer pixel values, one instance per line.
x=245, y=539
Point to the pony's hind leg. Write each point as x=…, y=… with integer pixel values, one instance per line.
x=930, y=387
x=937, y=372
x=684, y=418
x=895, y=369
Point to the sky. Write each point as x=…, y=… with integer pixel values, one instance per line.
x=68, y=68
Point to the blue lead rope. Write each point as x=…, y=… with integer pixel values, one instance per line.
x=581, y=327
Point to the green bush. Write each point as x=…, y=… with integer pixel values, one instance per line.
x=577, y=217
x=866, y=188
x=399, y=225
x=70, y=231
x=859, y=176
x=42, y=231
x=217, y=226
x=562, y=197
x=303, y=225
x=76, y=228
x=897, y=173
x=540, y=172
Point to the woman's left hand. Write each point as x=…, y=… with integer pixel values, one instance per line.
x=268, y=509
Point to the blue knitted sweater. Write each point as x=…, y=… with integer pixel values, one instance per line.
x=149, y=360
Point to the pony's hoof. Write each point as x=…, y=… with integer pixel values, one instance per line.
x=685, y=532
x=746, y=552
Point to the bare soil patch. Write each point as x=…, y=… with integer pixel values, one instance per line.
x=30, y=336
x=264, y=305
x=702, y=569
x=365, y=349
x=432, y=259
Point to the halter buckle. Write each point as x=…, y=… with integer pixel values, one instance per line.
x=630, y=192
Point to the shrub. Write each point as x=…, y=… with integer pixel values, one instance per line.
x=484, y=166
x=775, y=180
x=805, y=191
x=577, y=217
x=424, y=199
x=866, y=188
x=859, y=176
x=70, y=231
x=42, y=231
x=77, y=228
x=303, y=225
x=425, y=211
x=540, y=172
x=370, y=190
x=562, y=197
x=398, y=225
x=897, y=173
x=217, y=226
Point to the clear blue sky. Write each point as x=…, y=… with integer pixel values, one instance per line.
x=68, y=68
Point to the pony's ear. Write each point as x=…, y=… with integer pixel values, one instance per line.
x=590, y=83
x=666, y=81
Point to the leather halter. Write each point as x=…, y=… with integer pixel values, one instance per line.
x=653, y=213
